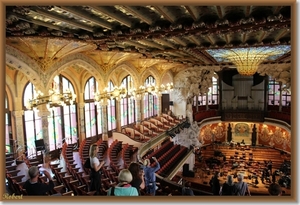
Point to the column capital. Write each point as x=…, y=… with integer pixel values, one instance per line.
x=44, y=113
x=18, y=113
x=81, y=105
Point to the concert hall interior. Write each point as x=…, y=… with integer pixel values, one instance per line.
x=204, y=89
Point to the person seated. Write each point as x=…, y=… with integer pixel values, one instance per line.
x=33, y=186
x=275, y=189
x=186, y=190
x=243, y=142
x=123, y=188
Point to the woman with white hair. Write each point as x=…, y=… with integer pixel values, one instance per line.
x=242, y=187
x=124, y=187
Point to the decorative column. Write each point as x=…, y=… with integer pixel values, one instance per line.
x=138, y=110
x=19, y=128
x=82, y=135
x=104, y=121
x=142, y=106
x=118, y=107
x=159, y=111
x=43, y=113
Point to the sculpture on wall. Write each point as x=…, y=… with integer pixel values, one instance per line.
x=188, y=136
x=229, y=133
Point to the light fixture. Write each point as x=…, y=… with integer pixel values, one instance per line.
x=55, y=98
x=103, y=97
x=248, y=59
x=154, y=90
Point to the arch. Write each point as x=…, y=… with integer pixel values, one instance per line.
x=125, y=67
x=80, y=60
x=26, y=65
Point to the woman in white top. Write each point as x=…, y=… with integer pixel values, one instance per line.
x=46, y=165
x=95, y=174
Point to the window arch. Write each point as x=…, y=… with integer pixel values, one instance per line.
x=32, y=122
x=150, y=100
x=8, y=130
x=274, y=88
x=62, y=122
x=92, y=113
x=212, y=97
x=127, y=104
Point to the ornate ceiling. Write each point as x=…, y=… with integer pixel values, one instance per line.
x=167, y=37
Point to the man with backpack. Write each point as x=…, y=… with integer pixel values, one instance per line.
x=242, y=187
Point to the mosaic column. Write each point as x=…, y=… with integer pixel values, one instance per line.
x=43, y=113
x=118, y=107
x=159, y=111
x=142, y=106
x=138, y=110
x=19, y=128
x=104, y=122
x=82, y=135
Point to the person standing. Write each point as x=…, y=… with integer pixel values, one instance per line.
x=215, y=183
x=228, y=187
x=95, y=175
x=275, y=189
x=150, y=177
x=242, y=187
x=137, y=176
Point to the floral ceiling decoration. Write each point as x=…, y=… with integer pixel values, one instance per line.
x=248, y=59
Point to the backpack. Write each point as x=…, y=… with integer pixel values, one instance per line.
x=87, y=163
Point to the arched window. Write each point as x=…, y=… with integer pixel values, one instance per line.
x=212, y=97
x=127, y=104
x=213, y=93
x=62, y=122
x=274, y=88
x=111, y=110
x=150, y=100
x=32, y=122
x=8, y=130
x=92, y=112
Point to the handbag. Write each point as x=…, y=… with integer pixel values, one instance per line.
x=87, y=163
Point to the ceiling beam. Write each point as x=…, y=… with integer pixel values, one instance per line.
x=112, y=15
x=42, y=23
x=165, y=13
x=138, y=14
x=192, y=12
x=61, y=19
x=219, y=11
x=80, y=14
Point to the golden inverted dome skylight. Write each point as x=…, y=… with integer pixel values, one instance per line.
x=248, y=59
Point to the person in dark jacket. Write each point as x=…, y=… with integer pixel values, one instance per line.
x=137, y=176
x=33, y=186
x=186, y=190
x=228, y=187
x=215, y=183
